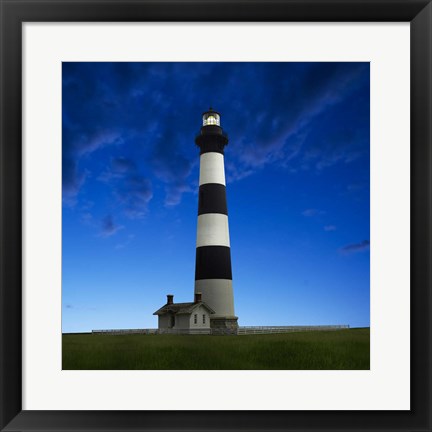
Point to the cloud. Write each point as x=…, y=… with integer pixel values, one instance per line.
x=174, y=193
x=118, y=168
x=71, y=180
x=125, y=243
x=329, y=228
x=128, y=105
x=341, y=146
x=77, y=144
x=131, y=190
x=312, y=212
x=352, y=187
x=356, y=247
x=123, y=165
x=109, y=227
x=86, y=218
x=147, y=115
x=172, y=167
x=134, y=193
x=235, y=172
x=282, y=122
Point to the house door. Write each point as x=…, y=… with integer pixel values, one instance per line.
x=172, y=321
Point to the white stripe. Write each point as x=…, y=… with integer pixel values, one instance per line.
x=212, y=168
x=212, y=230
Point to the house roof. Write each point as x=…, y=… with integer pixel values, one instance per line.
x=181, y=308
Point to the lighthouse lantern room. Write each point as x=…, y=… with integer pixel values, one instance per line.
x=211, y=118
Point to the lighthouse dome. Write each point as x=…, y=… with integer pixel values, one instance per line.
x=211, y=118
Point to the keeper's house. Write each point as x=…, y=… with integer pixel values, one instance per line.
x=188, y=318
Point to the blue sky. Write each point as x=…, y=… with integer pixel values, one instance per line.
x=297, y=168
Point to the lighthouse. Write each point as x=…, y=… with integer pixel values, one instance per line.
x=213, y=274
x=212, y=311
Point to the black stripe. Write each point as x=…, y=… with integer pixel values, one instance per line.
x=212, y=199
x=211, y=139
x=213, y=262
x=212, y=146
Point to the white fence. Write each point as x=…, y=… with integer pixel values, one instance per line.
x=246, y=330
x=126, y=331
x=287, y=329
x=191, y=331
x=152, y=331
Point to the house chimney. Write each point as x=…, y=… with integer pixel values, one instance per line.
x=198, y=297
x=170, y=299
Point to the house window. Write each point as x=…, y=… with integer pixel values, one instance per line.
x=195, y=319
x=203, y=318
x=172, y=321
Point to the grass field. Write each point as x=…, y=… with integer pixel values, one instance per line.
x=342, y=349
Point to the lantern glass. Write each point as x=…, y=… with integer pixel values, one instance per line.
x=211, y=119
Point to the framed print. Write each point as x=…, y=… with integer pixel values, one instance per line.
x=328, y=107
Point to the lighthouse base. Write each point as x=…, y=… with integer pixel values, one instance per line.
x=224, y=326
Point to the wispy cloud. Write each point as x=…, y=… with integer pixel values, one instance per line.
x=118, y=168
x=109, y=227
x=121, y=126
x=125, y=243
x=77, y=143
x=286, y=133
x=171, y=166
x=329, y=228
x=131, y=190
x=356, y=247
x=72, y=180
x=134, y=193
x=353, y=187
x=312, y=212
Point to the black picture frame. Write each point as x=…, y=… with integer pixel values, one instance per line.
x=15, y=12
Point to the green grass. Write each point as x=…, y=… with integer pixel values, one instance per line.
x=342, y=349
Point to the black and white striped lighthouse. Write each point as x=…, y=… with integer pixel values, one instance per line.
x=213, y=275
